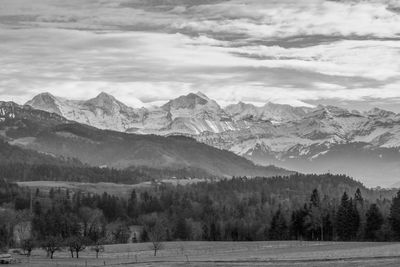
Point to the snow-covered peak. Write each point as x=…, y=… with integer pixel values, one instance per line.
x=381, y=113
x=268, y=112
x=202, y=95
x=195, y=106
x=190, y=101
x=46, y=102
x=330, y=112
x=243, y=111
x=109, y=105
x=103, y=99
x=45, y=95
x=104, y=95
x=282, y=113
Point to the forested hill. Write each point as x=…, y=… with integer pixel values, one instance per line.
x=20, y=164
x=13, y=154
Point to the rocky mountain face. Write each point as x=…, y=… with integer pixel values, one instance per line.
x=52, y=134
x=191, y=114
x=269, y=112
x=319, y=139
x=103, y=111
x=326, y=139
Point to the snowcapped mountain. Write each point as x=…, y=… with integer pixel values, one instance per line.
x=268, y=112
x=239, y=127
x=196, y=113
x=298, y=138
x=327, y=138
x=190, y=114
x=103, y=111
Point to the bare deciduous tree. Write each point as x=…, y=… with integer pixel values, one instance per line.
x=156, y=237
x=76, y=244
x=98, y=247
x=52, y=244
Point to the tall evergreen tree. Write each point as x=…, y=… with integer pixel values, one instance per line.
x=132, y=204
x=347, y=219
x=395, y=214
x=279, y=228
x=315, y=216
x=374, y=222
x=361, y=209
x=297, y=224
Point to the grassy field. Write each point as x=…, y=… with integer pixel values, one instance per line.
x=123, y=190
x=281, y=253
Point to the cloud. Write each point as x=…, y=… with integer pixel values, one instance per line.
x=344, y=58
x=259, y=19
x=287, y=51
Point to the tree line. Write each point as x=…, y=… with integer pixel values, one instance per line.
x=299, y=207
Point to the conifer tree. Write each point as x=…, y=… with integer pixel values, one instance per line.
x=297, y=224
x=315, y=216
x=279, y=229
x=347, y=219
x=361, y=209
x=395, y=214
x=374, y=222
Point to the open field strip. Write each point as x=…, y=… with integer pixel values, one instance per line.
x=281, y=253
x=102, y=187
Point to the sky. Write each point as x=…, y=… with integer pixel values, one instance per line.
x=144, y=52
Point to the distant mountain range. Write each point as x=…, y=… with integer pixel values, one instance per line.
x=54, y=135
x=321, y=139
x=191, y=114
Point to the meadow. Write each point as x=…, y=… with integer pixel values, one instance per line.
x=269, y=253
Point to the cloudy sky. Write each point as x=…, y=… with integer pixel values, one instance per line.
x=300, y=52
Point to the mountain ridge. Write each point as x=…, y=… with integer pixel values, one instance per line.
x=277, y=134
x=52, y=134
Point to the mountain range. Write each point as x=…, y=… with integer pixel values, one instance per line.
x=53, y=135
x=364, y=145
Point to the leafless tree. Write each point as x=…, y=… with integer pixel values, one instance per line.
x=98, y=247
x=76, y=244
x=156, y=237
x=52, y=244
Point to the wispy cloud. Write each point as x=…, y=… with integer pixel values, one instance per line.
x=287, y=51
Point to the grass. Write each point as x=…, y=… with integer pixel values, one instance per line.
x=99, y=188
x=280, y=253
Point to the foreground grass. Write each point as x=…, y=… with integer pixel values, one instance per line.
x=280, y=253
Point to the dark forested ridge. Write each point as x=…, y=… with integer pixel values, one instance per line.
x=298, y=207
x=19, y=164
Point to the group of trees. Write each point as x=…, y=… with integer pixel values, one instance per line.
x=352, y=220
x=299, y=207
